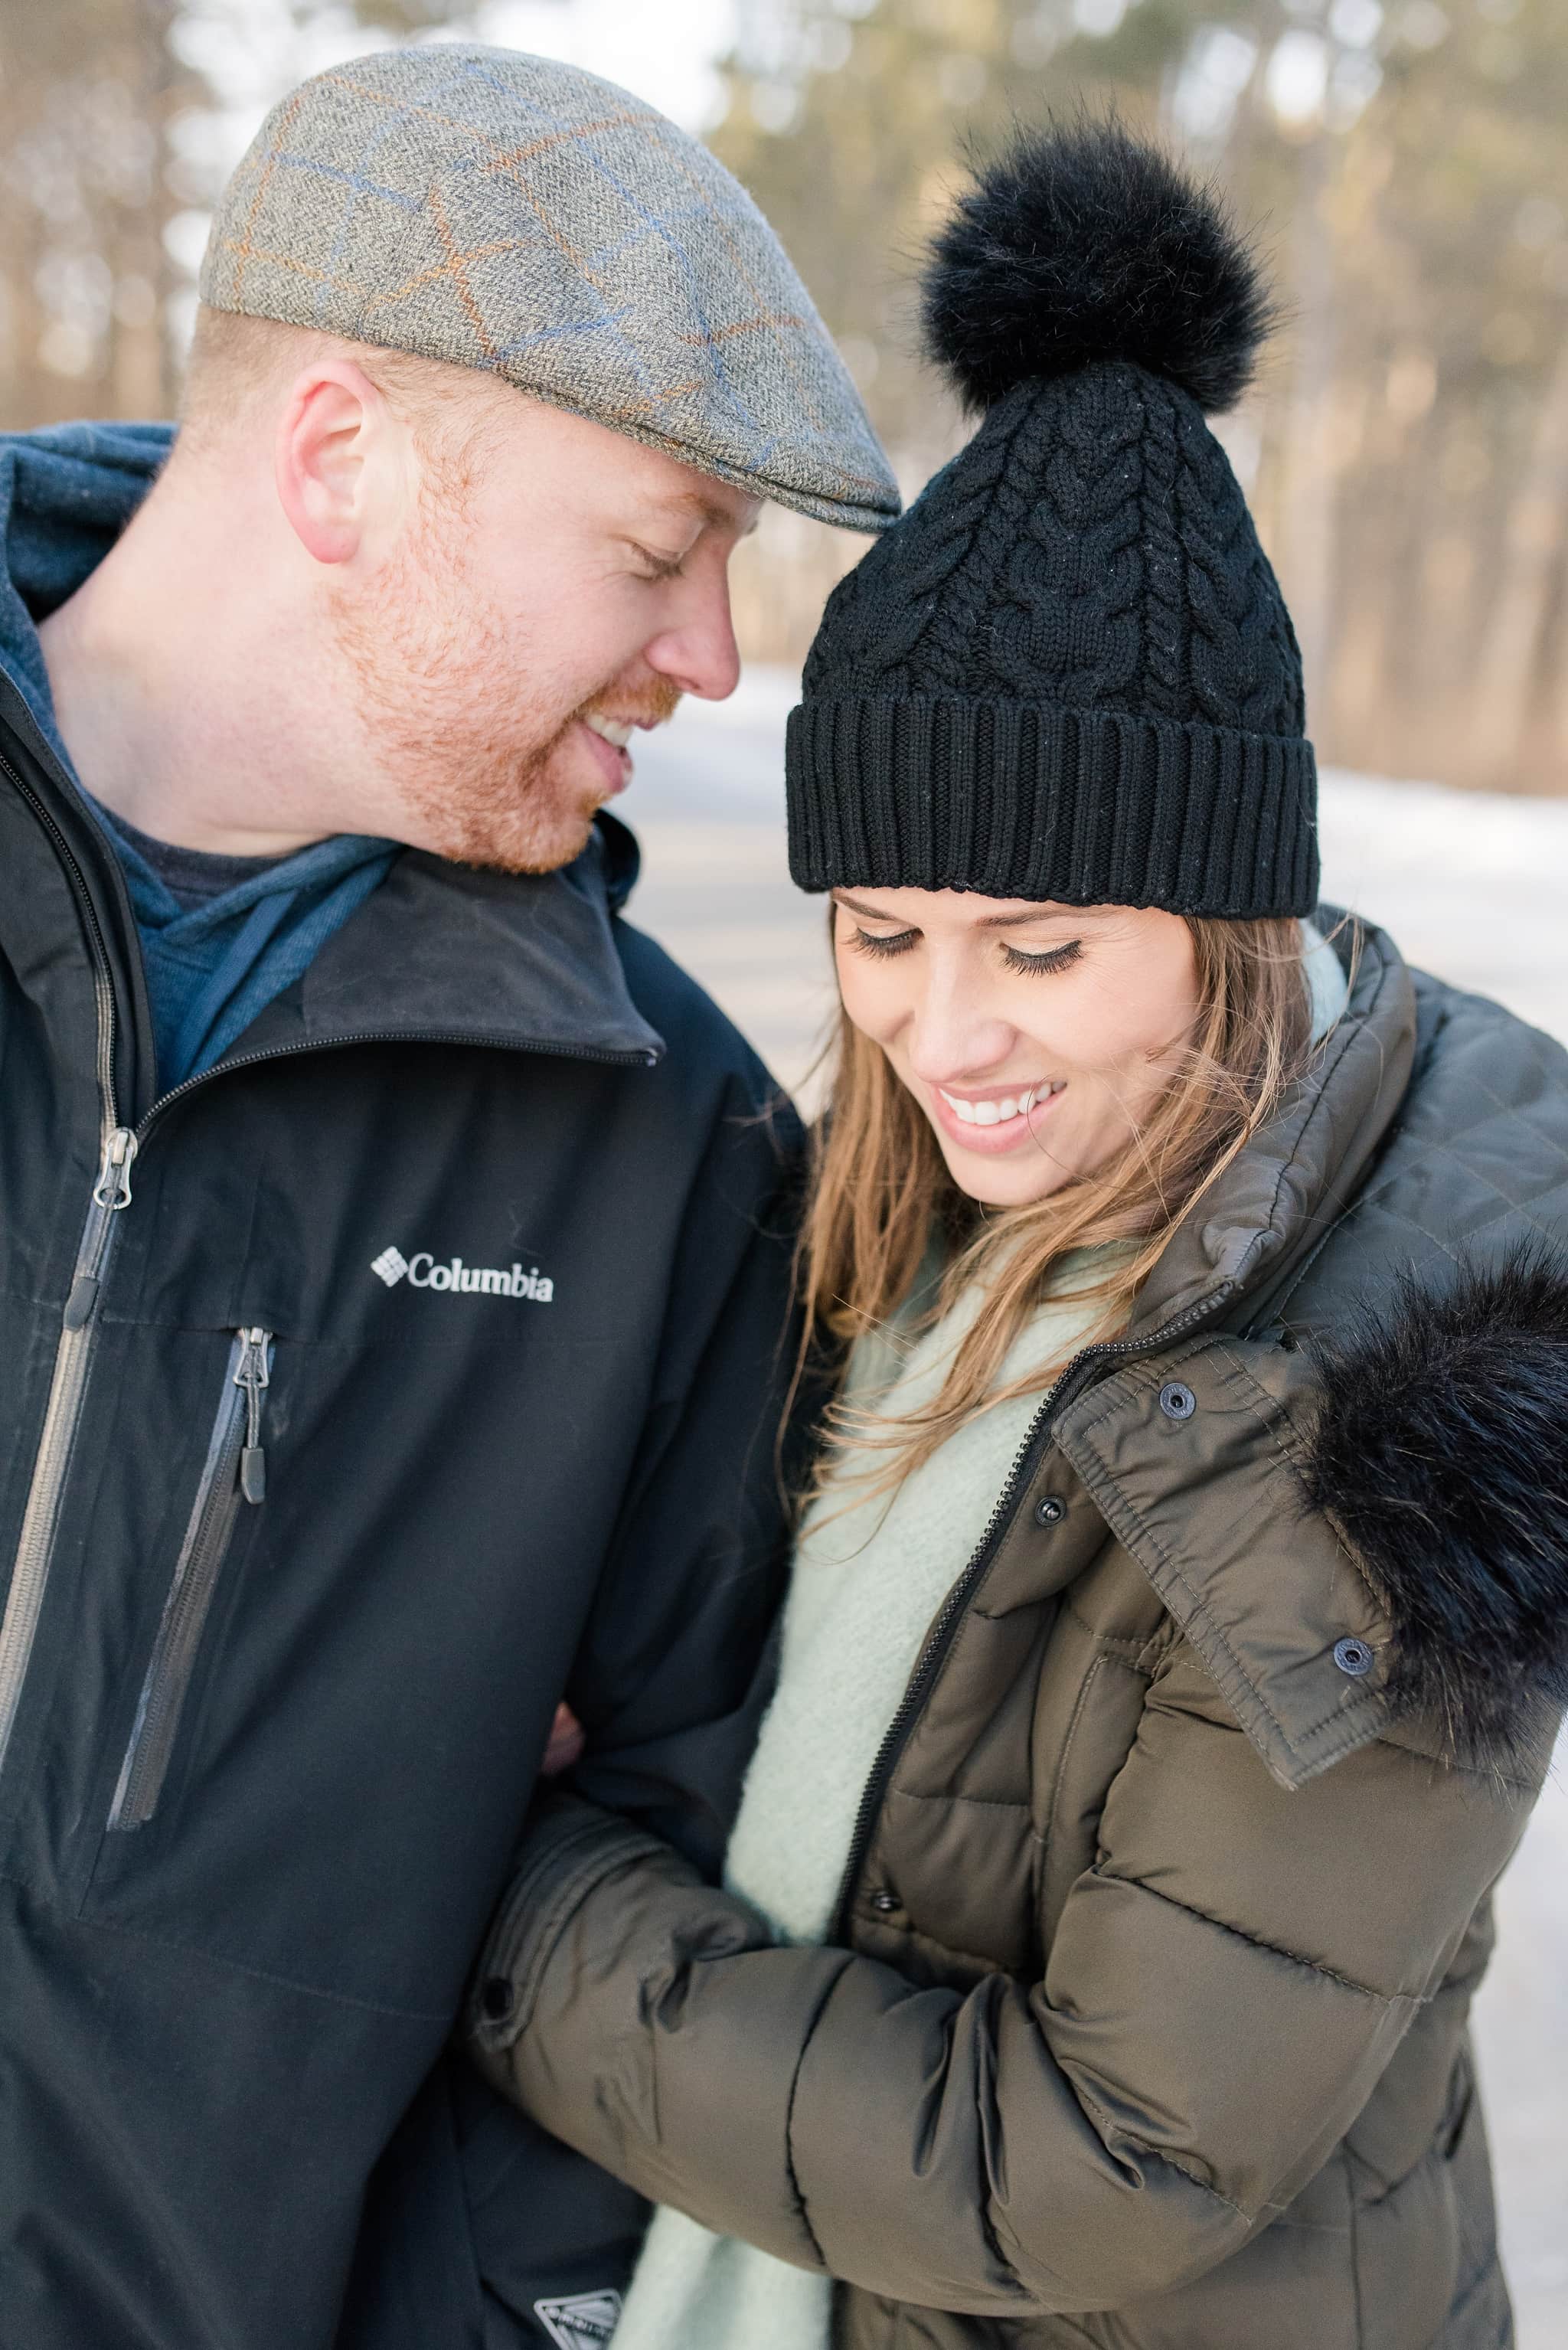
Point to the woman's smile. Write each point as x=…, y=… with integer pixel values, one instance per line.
x=993, y=1119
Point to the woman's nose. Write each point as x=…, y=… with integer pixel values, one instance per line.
x=952, y=1042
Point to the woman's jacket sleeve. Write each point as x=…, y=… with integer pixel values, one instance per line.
x=1224, y=1988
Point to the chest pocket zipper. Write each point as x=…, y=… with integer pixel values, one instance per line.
x=235, y=1472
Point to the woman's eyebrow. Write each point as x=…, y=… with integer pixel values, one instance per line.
x=987, y=922
x=856, y=905
x=1034, y=914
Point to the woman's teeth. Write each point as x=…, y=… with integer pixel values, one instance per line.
x=997, y=1113
x=612, y=730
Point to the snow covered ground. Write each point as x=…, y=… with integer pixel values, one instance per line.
x=1471, y=886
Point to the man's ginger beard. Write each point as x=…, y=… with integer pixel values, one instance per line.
x=470, y=731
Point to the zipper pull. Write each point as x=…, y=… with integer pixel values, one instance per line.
x=110, y=1193
x=253, y=1373
x=113, y=1187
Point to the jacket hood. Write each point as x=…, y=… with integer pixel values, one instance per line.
x=66, y=495
x=1441, y=1454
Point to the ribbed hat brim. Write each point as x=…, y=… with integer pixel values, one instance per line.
x=1030, y=800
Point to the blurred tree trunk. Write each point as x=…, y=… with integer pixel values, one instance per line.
x=1506, y=669
x=1308, y=504
x=88, y=89
x=146, y=365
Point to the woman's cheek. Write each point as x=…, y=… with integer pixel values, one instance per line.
x=864, y=990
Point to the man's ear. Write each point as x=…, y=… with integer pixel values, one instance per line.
x=334, y=436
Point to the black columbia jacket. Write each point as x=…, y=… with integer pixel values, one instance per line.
x=415, y=1366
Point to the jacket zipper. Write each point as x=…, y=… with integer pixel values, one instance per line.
x=111, y=1194
x=235, y=1472
x=34, y=1544
x=939, y=1639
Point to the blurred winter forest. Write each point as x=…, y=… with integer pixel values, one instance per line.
x=1406, y=450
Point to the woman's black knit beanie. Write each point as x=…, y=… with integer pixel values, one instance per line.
x=1068, y=672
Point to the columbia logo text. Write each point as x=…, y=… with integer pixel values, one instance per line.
x=422, y=1271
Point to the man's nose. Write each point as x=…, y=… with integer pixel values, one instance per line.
x=697, y=652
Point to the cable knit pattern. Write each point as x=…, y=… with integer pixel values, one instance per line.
x=1165, y=653
x=879, y=616
x=1237, y=677
x=1067, y=625
x=1067, y=673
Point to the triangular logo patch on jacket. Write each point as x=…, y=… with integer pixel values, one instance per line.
x=584, y=2321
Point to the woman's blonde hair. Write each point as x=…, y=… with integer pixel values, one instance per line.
x=881, y=1189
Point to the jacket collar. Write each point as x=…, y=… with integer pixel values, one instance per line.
x=1276, y=1200
x=447, y=953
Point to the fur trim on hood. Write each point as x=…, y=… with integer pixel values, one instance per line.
x=1442, y=1453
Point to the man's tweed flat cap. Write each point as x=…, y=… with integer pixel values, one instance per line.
x=513, y=214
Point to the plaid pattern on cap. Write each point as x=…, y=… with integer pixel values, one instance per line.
x=513, y=214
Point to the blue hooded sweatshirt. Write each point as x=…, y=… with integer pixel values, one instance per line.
x=64, y=496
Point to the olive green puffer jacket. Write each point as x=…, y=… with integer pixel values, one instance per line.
x=1145, y=2029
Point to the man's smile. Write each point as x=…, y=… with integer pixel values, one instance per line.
x=607, y=740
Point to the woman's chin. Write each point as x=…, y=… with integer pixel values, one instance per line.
x=1016, y=1181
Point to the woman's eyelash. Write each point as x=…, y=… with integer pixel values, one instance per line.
x=1033, y=965
x=1028, y=965
x=869, y=943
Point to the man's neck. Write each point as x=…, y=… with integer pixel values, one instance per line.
x=193, y=702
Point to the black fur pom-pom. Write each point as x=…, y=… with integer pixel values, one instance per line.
x=1082, y=243
x=1442, y=1455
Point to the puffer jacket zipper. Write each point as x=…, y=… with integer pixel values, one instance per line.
x=939, y=1639
x=235, y=1472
